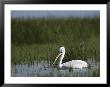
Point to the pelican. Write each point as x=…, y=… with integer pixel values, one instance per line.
x=79, y=64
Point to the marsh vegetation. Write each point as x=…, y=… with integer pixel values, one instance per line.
x=35, y=43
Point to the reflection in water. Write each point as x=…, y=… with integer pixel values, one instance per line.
x=43, y=69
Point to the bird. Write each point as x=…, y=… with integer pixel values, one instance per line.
x=79, y=64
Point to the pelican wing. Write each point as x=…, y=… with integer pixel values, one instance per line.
x=75, y=64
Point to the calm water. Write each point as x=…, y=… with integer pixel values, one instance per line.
x=44, y=69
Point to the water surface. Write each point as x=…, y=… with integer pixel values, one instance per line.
x=45, y=69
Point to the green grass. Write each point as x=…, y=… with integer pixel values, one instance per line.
x=40, y=38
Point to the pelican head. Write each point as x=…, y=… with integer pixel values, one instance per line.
x=62, y=49
x=61, y=52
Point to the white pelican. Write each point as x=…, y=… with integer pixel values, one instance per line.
x=71, y=64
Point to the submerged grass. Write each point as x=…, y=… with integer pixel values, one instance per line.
x=43, y=69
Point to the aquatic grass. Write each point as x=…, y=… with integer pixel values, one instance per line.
x=29, y=53
x=41, y=69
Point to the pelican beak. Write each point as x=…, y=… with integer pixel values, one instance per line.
x=56, y=58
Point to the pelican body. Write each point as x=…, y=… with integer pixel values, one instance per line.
x=71, y=64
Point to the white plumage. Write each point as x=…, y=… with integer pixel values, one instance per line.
x=71, y=64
